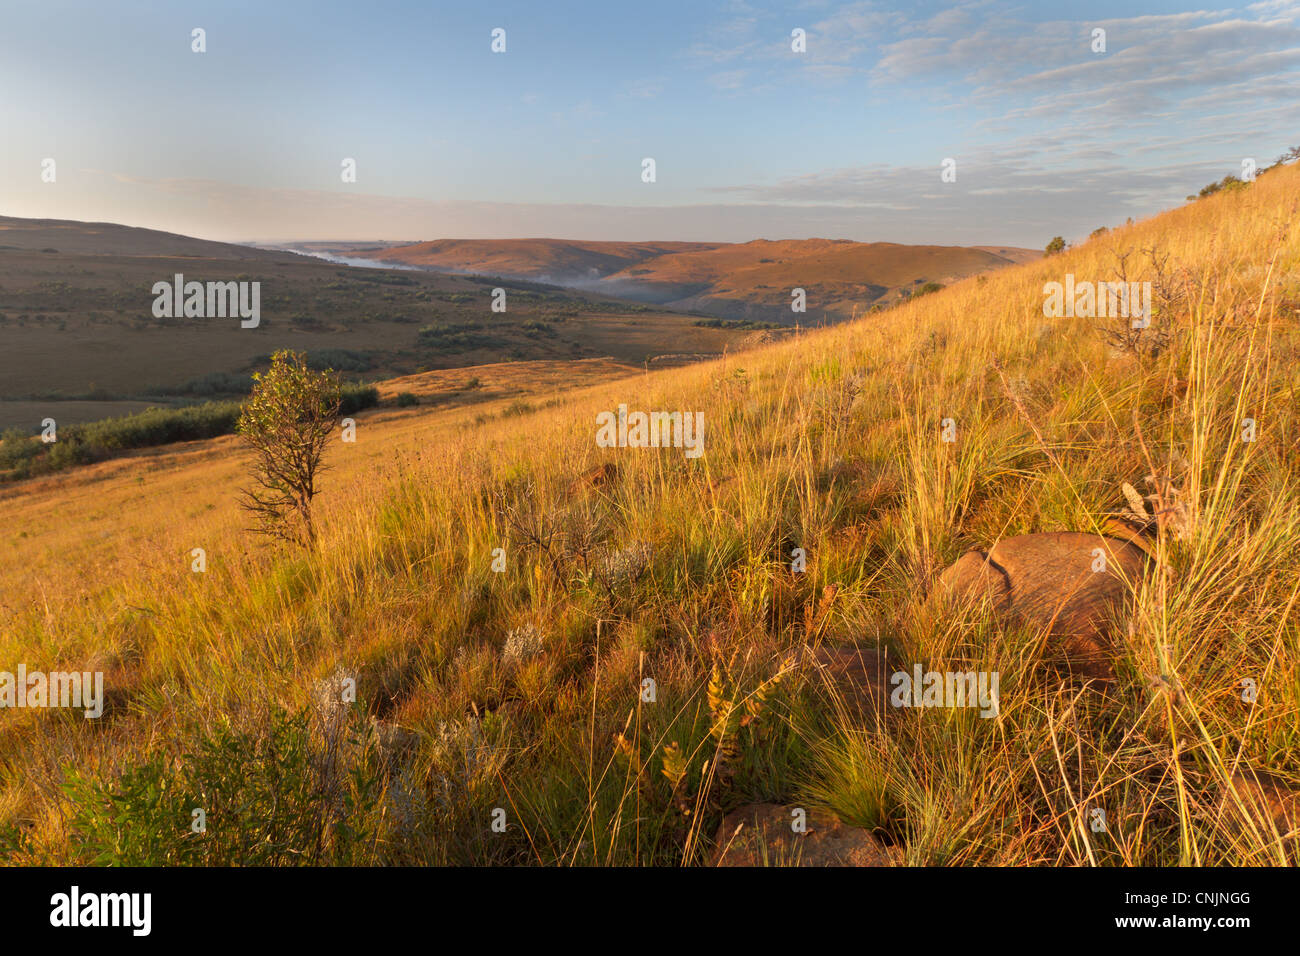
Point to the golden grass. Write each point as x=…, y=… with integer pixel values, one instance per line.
x=679, y=570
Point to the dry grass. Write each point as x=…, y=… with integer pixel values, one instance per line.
x=678, y=570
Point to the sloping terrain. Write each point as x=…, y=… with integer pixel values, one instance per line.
x=562, y=261
x=1011, y=253
x=606, y=651
x=69, y=237
x=751, y=280
x=754, y=280
x=80, y=340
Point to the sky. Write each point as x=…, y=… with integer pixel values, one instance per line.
x=750, y=138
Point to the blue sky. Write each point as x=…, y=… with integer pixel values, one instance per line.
x=750, y=139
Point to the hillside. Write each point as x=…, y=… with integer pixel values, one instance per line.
x=81, y=340
x=751, y=280
x=521, y=695
x=544, y=260
x=66, y=236
x=755, y=279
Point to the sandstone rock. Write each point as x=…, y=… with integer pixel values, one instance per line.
x=1049, y=580
x=1269, y=796
x=761, y=835
x=859, y=674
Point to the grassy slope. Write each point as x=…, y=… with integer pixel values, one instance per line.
x=839, y=275
x=531, y=257
x=62, y=314
x=830, y=443
x=764, y=271
x=107, y=521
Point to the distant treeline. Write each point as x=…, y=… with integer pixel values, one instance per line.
x=23, y=456
x=1231, y=182
x=738, y=325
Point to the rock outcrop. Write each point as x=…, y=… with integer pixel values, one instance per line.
x=1076, y=585
x=763, y=834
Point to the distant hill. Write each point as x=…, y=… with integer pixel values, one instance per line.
x=79, y=340
x=111, y=239
x=562, y=261
x=1014, y=253
x=481, y=692
x=751, y=280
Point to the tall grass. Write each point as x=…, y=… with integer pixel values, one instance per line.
x=679, y=571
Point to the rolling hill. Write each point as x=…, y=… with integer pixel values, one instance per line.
x=751, y=280
x=70, y=237
x=80, y=340
x=501, y=588
x=561, y=261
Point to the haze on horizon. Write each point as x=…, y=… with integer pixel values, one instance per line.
x=244, y=142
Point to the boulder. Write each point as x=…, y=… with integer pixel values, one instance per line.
x=860, y=675
x=761, y=834
x=1268, y=796
x=1073, y=584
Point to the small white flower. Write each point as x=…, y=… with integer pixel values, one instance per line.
x=521, y=644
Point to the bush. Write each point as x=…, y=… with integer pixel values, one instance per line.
x=738, y=325
x=457, y=337
x=214, y=383
x=1226, y=183
x=1056, y=245
x=339, y=360
x=281, y=797
x=17, y=449
x=356, y=397
x=287, y=421
x=95, y=441
x=155, y=426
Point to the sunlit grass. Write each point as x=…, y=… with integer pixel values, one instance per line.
x=679, y=571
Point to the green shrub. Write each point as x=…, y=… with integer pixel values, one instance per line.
x=155, y=426
x=457, y=337
x=287, y=421
x=1226, y=184
x=735, y=324
x=95, y=441
x=357, y=397
x=17, y=449
x=339, y=360
x=214, y=383
x=283, y=797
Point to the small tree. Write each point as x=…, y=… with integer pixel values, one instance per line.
x=1056, y=245
x=287, y=420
